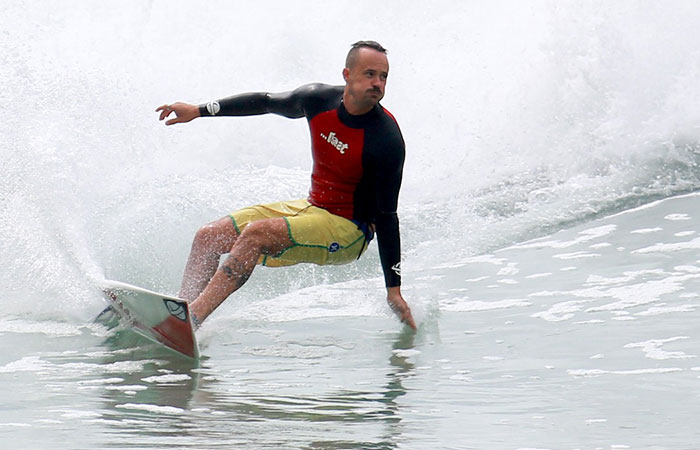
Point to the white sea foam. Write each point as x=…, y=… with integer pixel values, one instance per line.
x=594, y=421
x=538, y=275
x=670, y=248
x=474, y=280
x=652, y=348
x=77, y=414
x=170, y=378
x=477, y=305
x=679, y=216
x=583, y=236
x=286, y=351
x=126, y=387
x=480, y=259
x=658, y=310
x=684, y=233
x=39, y=365
x=625, y=278
x=576, y=255
x=26, y=364
x=561, y=311
x=687, y=268
x=626, y=295
x=170, y=410
x=510, y=269
x=647, y=230
x=56, y=329
x=599, y=372
x=406, y=353
x=101, y=381
x=629, y=296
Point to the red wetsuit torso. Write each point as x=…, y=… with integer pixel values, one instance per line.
x=357, y=160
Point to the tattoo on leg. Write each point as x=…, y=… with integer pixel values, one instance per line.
x=237, y=273
x=228, y=271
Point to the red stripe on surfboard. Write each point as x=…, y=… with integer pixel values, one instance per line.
x=177, y=334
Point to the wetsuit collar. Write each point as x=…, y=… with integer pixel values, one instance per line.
x=361, y=120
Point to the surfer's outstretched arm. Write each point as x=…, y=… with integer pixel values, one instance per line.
x=292, y=104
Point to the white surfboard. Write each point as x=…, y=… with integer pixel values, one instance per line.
x=160, y=318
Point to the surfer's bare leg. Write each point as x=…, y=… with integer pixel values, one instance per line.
x=210, y=242
x=264, y=237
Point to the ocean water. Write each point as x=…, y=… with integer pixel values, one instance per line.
x=549, y=215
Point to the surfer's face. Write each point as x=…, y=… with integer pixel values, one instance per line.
x=365, y=80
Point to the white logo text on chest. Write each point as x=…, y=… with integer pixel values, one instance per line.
x=335, y=142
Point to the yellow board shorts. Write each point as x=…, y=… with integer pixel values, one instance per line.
x=318, y=236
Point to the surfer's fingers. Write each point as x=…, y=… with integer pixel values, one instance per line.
x=164, y=113
x=166, y=110
x=408, y=320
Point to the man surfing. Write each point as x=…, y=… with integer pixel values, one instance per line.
x=358, y=154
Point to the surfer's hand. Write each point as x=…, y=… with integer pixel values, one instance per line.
x=184, y=112
x=400, y=307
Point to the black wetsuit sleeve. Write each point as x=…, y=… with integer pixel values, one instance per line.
x=292, y=104
x=388, y=175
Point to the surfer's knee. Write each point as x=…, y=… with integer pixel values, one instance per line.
x=268, y=236
x=215, y=237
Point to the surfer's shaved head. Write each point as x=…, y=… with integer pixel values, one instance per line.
x=352, y=54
